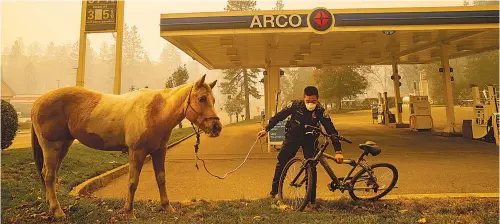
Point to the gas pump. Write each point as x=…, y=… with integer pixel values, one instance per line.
x=485, y=114
x=380, y=109
x=384, y=115
x=420, y=112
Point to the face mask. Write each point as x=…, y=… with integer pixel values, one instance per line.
x=310, y=106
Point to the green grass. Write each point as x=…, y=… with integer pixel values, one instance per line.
x=22, y=194
x=179, y=133
x=24, y=126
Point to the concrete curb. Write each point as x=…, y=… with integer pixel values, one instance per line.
x=387, y=197
x=428, y=196
x=102, y=180
x=443, y=195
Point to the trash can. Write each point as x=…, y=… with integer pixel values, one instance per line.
x=467, y=129
x=392, y=118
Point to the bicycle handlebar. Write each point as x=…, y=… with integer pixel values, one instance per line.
x=327, y=135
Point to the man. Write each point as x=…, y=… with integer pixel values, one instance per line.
x=303, y=112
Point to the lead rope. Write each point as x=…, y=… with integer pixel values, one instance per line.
x=196, y=158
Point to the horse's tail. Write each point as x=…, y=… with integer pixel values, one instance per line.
x=37, y=154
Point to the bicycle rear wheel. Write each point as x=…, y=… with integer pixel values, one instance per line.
x=364, y=187
x=295, y=194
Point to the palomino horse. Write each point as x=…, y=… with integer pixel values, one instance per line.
x=140, y=122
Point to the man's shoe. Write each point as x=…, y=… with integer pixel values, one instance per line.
x=272, y=194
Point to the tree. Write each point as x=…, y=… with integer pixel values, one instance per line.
x=241, y=82
x=17, y=49
x=132, y=47
x=435, y=80
x=409, y=75
x=382, y=76
x=294, y=81
x=179, y=77
x=482, y=69
x=234, y=106
x=16, y=65
x=241, y=5
x=131, y=88
x=279, y=5
x=169, y=59
x=9, y=124
x=340, y=82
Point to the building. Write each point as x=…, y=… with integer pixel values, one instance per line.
x=7, y=92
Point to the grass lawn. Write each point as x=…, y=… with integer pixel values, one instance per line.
x=22, y=195
x=23, y=201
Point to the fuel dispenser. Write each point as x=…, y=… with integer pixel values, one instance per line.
x=420, y=112
x=485, y=114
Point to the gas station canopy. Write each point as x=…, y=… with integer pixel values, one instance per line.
x=323, y=37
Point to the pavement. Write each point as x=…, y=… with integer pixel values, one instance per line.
x=427, y=164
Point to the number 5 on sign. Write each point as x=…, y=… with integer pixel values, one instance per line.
x=105, y=13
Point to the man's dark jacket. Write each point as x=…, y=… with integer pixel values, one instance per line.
x=300, y=116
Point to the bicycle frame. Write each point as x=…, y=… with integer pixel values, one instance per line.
x=341, y=182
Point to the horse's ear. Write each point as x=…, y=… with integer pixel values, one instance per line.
x=212, y=84
x=200, y=82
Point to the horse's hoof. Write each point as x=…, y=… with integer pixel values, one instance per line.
x=59, y=214
x=167, y=208
x=170, y=209
x=127, y=215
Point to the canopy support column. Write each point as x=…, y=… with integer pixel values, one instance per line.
x=273, y=84
x=397, y=93
x=450, y=113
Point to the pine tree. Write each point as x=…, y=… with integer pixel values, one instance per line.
x=279, y=5
x=179, y=77
x=243, y=79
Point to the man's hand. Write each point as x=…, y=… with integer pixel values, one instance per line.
x=262, y=133
x=339, y=158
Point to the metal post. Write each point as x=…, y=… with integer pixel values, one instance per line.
x=80, y=76
x=266, y=95
x=492, y=98
x=450, y=113
x=119, y=43
x=386, y=109
x=273, y=74
x=476, y=99
x=397, y=94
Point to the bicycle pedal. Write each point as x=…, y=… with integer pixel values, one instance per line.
x=332, y=187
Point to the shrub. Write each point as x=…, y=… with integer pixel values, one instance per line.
x=9, y=124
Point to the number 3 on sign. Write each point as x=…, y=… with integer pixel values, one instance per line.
x=90, y=15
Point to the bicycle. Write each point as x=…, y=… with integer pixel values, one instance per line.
x=365, y=180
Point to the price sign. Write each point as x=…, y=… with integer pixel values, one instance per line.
x=101, y=16
x=277, y=133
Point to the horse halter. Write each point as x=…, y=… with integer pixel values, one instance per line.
x=197, y=132
x=205, y=118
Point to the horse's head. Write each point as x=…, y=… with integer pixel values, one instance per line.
x=200, y=108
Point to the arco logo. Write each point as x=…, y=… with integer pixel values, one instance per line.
x=320, y=19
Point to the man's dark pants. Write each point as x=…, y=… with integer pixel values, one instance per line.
x=288, y=151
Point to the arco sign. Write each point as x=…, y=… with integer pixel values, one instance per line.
x=276, y=21
x=320, y=20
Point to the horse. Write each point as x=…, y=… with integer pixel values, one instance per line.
x=139, y=122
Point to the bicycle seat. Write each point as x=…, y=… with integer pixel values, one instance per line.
x=370, y=147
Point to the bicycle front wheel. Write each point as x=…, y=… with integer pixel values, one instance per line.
x=382, y=180
x=294, y=179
